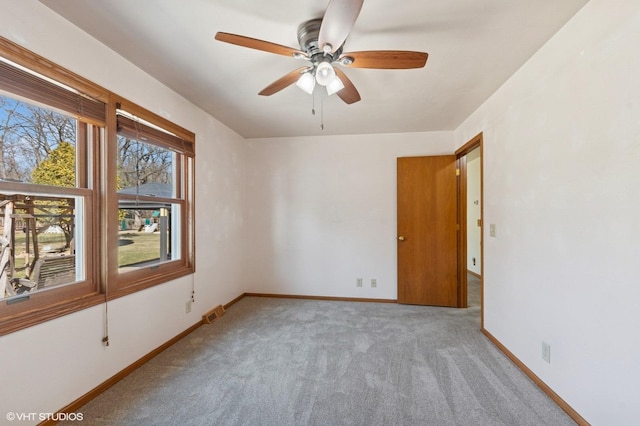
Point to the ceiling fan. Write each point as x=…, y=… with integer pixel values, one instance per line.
x=321, y=43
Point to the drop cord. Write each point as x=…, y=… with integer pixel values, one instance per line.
x=313, y=103
x=321, y=113
x=105, y=339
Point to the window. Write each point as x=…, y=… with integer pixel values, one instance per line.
x=154, y=194
x=49, y=134
x=96, y=193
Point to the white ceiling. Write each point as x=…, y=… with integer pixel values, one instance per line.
x=474, y=47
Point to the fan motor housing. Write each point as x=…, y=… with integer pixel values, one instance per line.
x=308, y=39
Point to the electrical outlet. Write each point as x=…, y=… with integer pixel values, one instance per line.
x=359, y=282
x=492, y=229
x=188, y=306
x=546, y=352
x=374, y=282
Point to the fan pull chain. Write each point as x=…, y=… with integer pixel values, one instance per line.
x=321, y=113
x=313, y=108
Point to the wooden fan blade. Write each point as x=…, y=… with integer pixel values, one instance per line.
x=254, y=43
x=283, y=82
x=338, y=22
x=349, y=94
x=384, y=59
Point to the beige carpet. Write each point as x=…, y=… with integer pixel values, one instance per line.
x=301, y=362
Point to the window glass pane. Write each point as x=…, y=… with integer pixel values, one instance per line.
x=37, y=145
x=149, y=231
x=38, y=238
x=144, y=169
x=147, y=235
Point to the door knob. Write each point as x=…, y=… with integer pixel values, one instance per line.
x=400, y=238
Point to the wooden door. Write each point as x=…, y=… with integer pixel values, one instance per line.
x=427, y=231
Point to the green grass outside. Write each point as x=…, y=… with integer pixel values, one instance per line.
x=55, y=241
x=136, y=247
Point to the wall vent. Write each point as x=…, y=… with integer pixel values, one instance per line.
x=213, y=314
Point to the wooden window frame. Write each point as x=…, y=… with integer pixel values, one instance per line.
x=97, y=185
x=182, y=142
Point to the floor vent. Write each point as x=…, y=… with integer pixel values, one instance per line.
x=213, y=314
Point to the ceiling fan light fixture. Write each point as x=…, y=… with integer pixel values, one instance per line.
x=306, y=82
x=325, y=73
x=321, y=43
x=335, y=86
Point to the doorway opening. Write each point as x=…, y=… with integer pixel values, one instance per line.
x=440, y=254
x=470, y=207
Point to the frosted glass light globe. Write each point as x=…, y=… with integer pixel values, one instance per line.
x=335, y=86
x=306, y=82
x=325, y=73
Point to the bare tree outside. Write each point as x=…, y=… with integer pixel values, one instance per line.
x=28, y=135
x=140, y=163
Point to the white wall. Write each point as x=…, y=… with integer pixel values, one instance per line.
x=48, y=366
x=322, y=212
x=561, y=149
